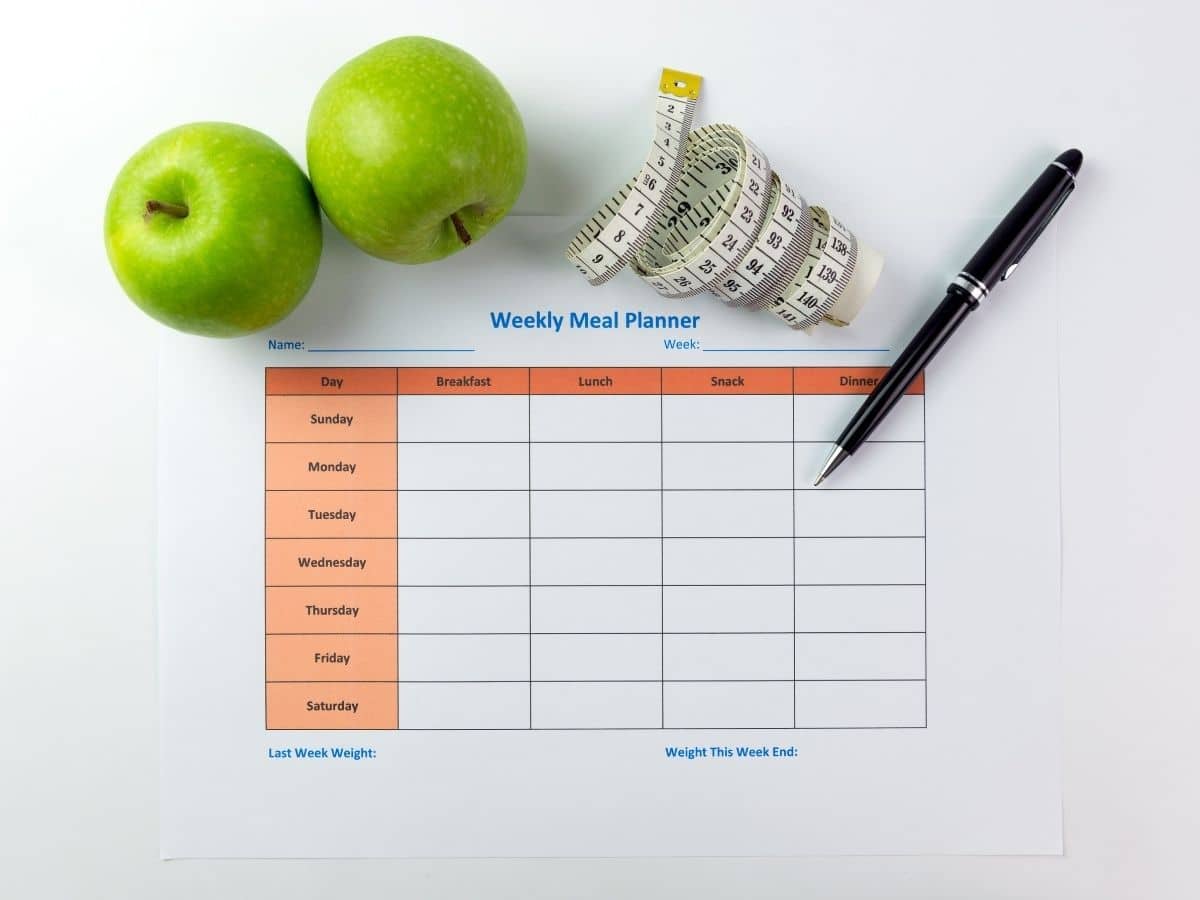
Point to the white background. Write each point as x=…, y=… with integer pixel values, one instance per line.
x=946, y=107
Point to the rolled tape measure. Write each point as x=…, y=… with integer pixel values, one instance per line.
x=706, y=213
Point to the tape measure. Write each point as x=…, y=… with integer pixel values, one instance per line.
x=706, y=213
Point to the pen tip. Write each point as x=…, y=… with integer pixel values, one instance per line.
x=835, y=459
x=1072, y=159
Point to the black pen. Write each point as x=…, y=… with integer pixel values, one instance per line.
x=994, y=262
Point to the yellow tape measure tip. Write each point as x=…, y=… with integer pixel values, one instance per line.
x=681, y=84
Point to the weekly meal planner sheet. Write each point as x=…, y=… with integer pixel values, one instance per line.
x=474, y=559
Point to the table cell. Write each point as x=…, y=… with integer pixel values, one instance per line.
x=860, y=704
x=727, y=380
x=697, y=608
x=464, y=657
x=331, y=419
x=333, y=514
x=469, y=418
x=733, y=657
x=464, y=610
x=463, y=562
x=595, y=380
x=596, y=513
x=351, y=380
x=727, y=561
x=615, y=561
x=464, y=514
x=716, y=466
x=331, y=467
x=597, y=704
x=351, y=561
x=845, y=380
x=743, y=418
x=331, y=657
x=597, y=657
x=331, y=706
x=860, y=513
x=459, y=706
x=595, y=466
x=727, y=704
x=331, y=610
x=727, y=513
x=462, y=467
x=606, y=417
x=825, y=657
x=462, y=380
x=593, y=609
x=861, y=608
x=860, y=560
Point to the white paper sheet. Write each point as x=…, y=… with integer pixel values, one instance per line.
x=600, y=620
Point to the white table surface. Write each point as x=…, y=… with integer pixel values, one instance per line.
x=949, y=107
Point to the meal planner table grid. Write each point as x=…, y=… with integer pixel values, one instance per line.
x=590, y=548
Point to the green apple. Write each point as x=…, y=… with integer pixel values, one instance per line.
x=213, y=229
x=415, y=150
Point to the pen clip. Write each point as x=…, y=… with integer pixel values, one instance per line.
x=1037, y=232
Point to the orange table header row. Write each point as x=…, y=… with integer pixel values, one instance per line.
x=580, y=380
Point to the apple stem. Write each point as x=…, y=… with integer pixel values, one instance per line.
x=175, y=210
x=460, y=229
